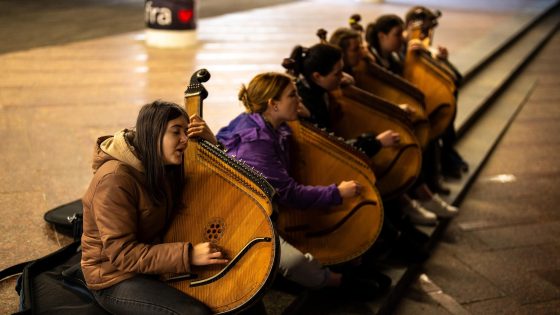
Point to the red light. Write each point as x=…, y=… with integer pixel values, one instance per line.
x=185, y=15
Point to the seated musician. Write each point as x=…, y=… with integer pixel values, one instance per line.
x=424, y=15
x=326, y=76
x=137, y=184
x=452, y=164
x=354, y=51
x=260, y=138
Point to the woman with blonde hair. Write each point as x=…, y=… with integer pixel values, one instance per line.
x=260, y=137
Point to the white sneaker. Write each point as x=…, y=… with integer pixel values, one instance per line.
x=418, y=214
x=441, y=208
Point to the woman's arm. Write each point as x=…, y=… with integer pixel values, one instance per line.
x=115, y=211
x=262, y=156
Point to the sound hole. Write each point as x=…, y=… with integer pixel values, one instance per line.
x=214, y=230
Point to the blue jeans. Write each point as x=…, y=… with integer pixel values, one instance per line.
x=143, y=294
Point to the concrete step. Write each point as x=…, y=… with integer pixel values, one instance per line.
x=485, y=81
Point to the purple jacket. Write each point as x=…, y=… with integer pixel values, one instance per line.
x=248, y=138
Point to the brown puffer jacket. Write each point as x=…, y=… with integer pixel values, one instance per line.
x=122, y=227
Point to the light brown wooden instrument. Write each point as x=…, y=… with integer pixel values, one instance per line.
x=436, y=84
x=340, y=233
x=380, y=82
x=358, y=111
x=229, y=204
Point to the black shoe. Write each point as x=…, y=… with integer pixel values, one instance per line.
x=436, y=186
x=408, y=252
x=370, y=272
x=453, y=163
x=451, y=172
x=410, y=232
x=363, y=288
x=411, y=247
x=458, y=159
x=464, y=167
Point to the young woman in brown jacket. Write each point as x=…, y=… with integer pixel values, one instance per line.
x=135, y=189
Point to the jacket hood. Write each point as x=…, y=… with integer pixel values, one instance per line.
x=116, y=147
x=247, y=128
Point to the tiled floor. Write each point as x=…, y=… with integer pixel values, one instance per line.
x=56, y=99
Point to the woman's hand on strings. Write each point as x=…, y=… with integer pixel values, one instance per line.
x=198, y=128
x=207, y=254
x=389, y=138
x=349, y=189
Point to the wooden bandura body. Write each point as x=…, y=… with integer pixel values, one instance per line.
x=227, y=203
x=340, y=233
x=396, y=168
x=380, y=82
x=437, y=85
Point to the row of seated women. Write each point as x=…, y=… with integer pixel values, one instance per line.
x=138, y=184
x=388, y=48
x=384, y=44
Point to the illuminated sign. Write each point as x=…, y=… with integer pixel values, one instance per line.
x=170, y=14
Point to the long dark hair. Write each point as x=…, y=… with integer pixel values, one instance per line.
x=319, y=58
x=151, y=125
x=384, y=24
